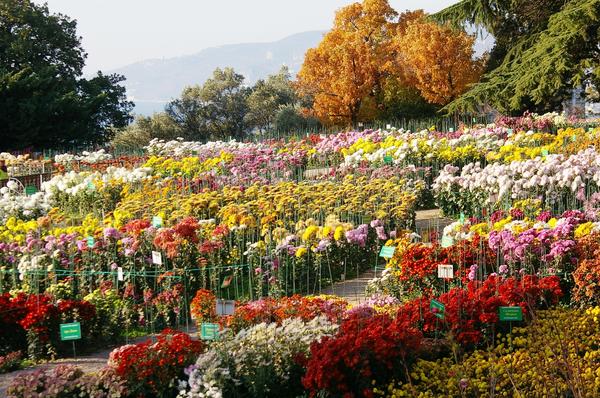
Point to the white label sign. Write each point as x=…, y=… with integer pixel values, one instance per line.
x=225, y=307
x=445, y=271
x=120, y=276
x=156, y=258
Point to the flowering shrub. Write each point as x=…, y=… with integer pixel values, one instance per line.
x=413, y=270
x=37, y=317
x=10, y=361
x=65, y=381
x=260, y=361
x=203, y=306
x=277, y=310
x=152, y=369
x=472, y=313
x=365, y=349
x=587, y=283
x=110, y=309
x=555, y=356
x=556, y=178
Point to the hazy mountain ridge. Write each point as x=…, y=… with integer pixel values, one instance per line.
x=154, y=82
x=151, y=83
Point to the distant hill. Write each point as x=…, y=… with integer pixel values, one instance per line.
x=152, y=83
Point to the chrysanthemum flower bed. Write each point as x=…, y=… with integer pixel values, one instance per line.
x=126, y=246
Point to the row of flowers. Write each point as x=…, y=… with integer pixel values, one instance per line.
x=312, y=344
x=560, y=181
x=523, y=241
x=232, y=260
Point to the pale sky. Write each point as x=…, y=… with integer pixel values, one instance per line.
x=119, y=32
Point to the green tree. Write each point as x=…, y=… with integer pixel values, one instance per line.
x=289, y=118
x=44, y=102
x=188, y=111
x=543, y=49
x=267, y=97
x=144, y=129
x=404, y=101
x=215, y=110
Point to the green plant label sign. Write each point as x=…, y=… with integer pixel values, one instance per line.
x=387, y=159
x=30, y=190
x=387, y=251
x=439, y=309
x=511, y=313
x=157, y=221
x=509, y=131
x=544, y=152
x=70, y=331
x=462, y=218
x=209, y=331
x=90, y=241
x=447, y=241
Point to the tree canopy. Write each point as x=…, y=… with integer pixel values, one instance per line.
x=215, y=110
x=372, y=52
x=543, y=49
x=44, y=102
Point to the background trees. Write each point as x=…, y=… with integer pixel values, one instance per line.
x=437, y=61
x=345, y=73
x=374, y=58
x=215, y=110
x=268, y=97
x=543, y=48
x=44, y=102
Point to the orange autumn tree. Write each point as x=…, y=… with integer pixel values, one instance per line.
x=344, y=73
x=438, y=60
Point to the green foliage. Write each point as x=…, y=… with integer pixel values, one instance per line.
x=223, y=107
x=138, y=134
x=404, y=101
x=30, y=37
x=267, y=97
x=44, y=101
x=214, y=110
x=110, y=321
x=290, y=118
x=543, y=48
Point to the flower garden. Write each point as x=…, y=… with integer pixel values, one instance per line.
x=503, y=301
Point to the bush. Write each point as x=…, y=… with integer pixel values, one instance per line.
x=152, y=369
x=365, y=351
x=261, y=361
x=472, y=313
x=558, y=355
x=67, y=381
x=203, y=307
x=10, y=362
x=31, y=322
x=277, y=310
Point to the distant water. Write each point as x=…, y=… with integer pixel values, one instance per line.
x=147, y=108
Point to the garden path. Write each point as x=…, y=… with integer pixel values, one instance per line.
x=353, y=290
